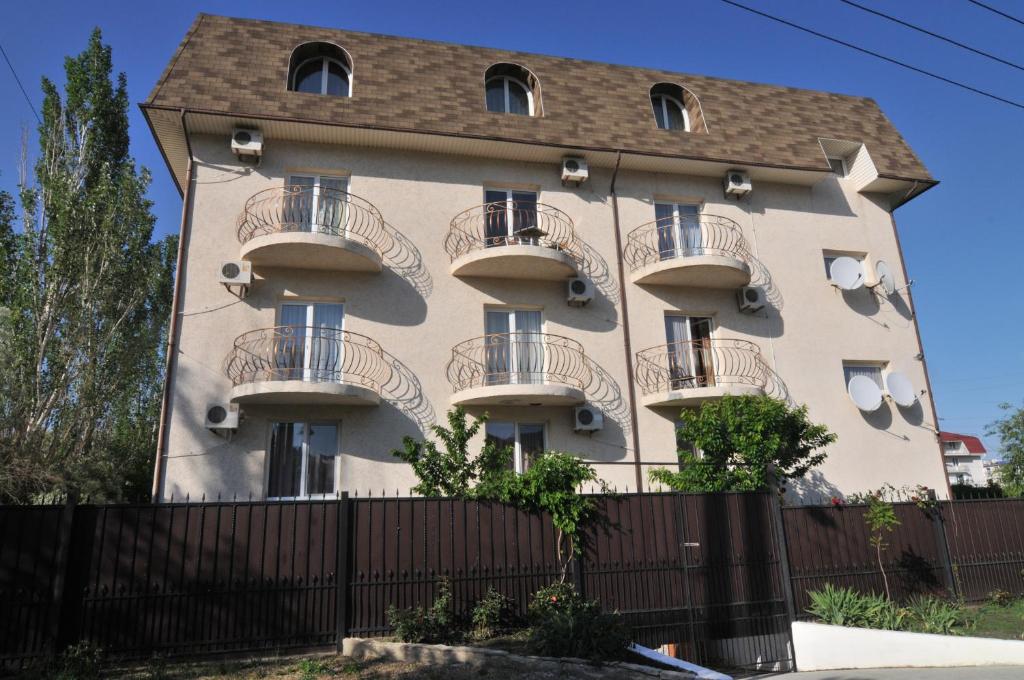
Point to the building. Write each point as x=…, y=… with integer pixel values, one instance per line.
x=963, y=454
x=579, y=250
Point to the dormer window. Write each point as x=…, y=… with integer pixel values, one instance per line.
x=510, y=88
x=320, y=68
x=676, y=108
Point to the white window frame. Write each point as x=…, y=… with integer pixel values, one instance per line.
x=513, y=359
x=663, y=100
x=307, y=350
x=506, y=80
x=843, y=165
x=880, y=366
x=692, y=354
x=829, y=256
x=305, y=458
x=510, y=204
x=314, y=227
x=323, y=74
x=517, y=448
x=679, y=243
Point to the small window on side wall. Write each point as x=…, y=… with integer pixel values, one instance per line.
x=838, y=166
x=512, y=89
x=320, y=68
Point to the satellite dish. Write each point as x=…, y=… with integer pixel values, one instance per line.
x=846, y=273
x=865, y=393
x=900, y=389
x=885, y=278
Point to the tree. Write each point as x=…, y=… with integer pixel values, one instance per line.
x=1010, y=430
x=85, y=295
x=739, y=440
x=881, y=519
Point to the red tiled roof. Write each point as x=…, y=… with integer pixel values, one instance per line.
x=972, y=443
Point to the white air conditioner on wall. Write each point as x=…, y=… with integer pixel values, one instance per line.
x=247, y=144
x=750, y=299
x=737, y=183
x=587, y=419
x=580, y=291
x=236, y=273
x=574, y=170
x=222, y=417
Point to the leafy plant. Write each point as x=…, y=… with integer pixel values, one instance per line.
x=881, y=520
x=838, y=606
x=492, y=615
x=82, y=661
x=741, y=441
x=932, y=615
x=565, y=624
x=434, y=625
x=311, y=669
x=1000, y=597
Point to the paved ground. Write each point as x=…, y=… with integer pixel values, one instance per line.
x=973, y=673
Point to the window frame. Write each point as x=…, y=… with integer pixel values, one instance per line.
x=515, y=376
x=843, y=164
x=317, y=177
x=307, y=349
x=691, y=355
x=510, y=209
x=517, y=448
x=830, y=256
x=293, y=83
x=507, y=110
x=881, y=366
x=309, y=424
x=664, y=97
x=680, y=241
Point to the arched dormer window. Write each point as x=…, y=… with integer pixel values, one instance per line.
x=669, y=111
x=320, y=68
x=510, y=88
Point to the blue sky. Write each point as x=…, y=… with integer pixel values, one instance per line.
x=963, y=241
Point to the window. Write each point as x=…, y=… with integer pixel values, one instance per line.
x=667, y=102
x=303, y=460
x=679, y=231
x=511, y=218
x=320, y=68
x=513, y=347
x=952, y=447
x=838, y=166
x=510, y=88
x=690, y=360
x=317, y=203
x=871, y=371
x=310, y=346
x=829, y=259
x=525, y=439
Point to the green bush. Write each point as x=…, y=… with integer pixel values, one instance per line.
x=847, y=607
x=492, y=616
x=564, y=624
x=839, y=606
x=82, y=661
x=1000, y=597
x=932, y=615
x=434, y=625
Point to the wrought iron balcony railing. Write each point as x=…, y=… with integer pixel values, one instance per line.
x=319, y=210
x=700, y=363
x=518, y=359
x=685, y=236
x=493, y=225
x=308, y=354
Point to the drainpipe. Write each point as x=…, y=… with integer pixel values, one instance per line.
x=171, y=361
x=630, y=382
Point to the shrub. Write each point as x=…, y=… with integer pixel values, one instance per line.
x=492, y=616
x=932, y=615
x=311, y=669
x=434, y=625
x=564, y=624
x=847, y=607
x=838, y=606
x=1000, y=597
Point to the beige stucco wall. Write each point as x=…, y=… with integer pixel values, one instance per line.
x=417, y=316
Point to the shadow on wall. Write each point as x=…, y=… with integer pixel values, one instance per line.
x=776, y=387
x=811, y=489
x=762, y=277
x=404, y=391
x=604, y=392
x=595, y=267
x=405, y=259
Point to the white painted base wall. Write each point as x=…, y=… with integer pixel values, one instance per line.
x=820, y=647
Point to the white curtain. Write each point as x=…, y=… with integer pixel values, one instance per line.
x=298, y=204
x=332, y=206
x=290, y=346
x=874, y=373
x=326, y=351
x=529, y=358
x=497, y=358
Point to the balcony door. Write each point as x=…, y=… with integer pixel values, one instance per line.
x=679, y=231
x=514, y=347
x=317, y=204
x=309, y=344
x=690, y=360
x=510, y=218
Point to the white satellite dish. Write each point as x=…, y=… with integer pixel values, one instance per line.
x=900, y=389
x=865, y=393
x=885, y=278
x=846, y=273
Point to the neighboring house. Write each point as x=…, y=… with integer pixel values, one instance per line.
x=963, y=454
x=991, y=470
x=564, y=245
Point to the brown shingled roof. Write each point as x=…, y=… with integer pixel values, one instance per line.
x=239, y=66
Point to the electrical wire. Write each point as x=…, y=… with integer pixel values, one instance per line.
x=996, y=11
x=863, y=50
x=932, y=34
x=20, y=86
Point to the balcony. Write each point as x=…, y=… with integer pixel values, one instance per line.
x=702, y=251
x=296, y=365
x=302, y=227
x=518, y=369
x=534, y=241
x=690, y=373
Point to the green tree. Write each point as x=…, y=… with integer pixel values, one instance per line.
x=86, y=297
x=740, y=440
x=881, y=520
x=1010, y=430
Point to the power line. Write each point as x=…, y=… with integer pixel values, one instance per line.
x=20, y=86
x=934, y=35
x=996, y=11
x=863, y=50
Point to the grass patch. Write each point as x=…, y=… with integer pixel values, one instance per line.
x=993, y=620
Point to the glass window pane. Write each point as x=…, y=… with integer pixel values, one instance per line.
x=502, y=435
x=531, y=442
x=524, y=210
x=297, y=208
x=874, y=373
x=665, y=214
x=496, y=95
x=676, y=121
x=326, y=347
x=518, y=99
x=331, y=205
x=496, y=220
x=285, y=460
x=659, y=112
x=337, y=80
x=309, y=77
x=496, y=347
x=321, y=452
x=290, y=345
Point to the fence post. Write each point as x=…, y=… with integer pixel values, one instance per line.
x=775, y=501
x=342, y=572
x=939, y=524
x=59, y=630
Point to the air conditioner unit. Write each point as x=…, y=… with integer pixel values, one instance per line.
x=247, y=144
x=574, y=170
x=581, y=291
x=750, y=299
x=222, y=417
x=737, y=183
x=235, y=273
x=587, y=419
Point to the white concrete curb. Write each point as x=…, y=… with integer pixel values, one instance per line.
x=820, y=647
